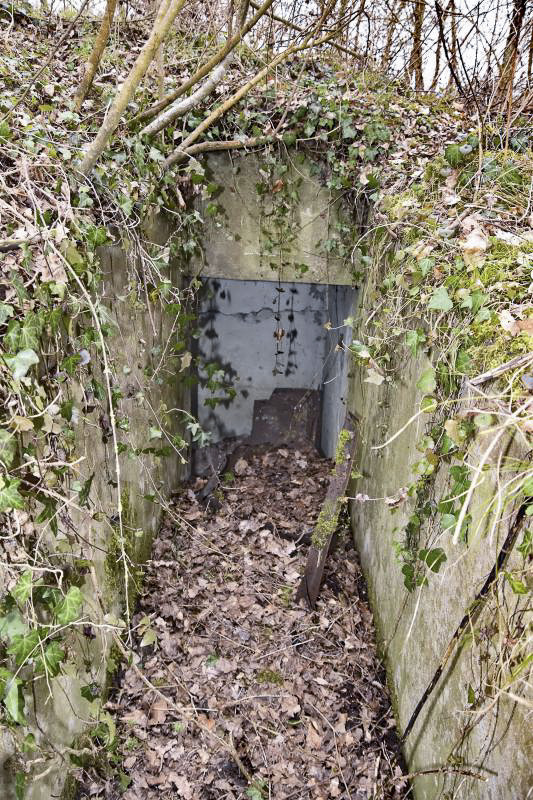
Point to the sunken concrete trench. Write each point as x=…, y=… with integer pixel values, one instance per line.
x=236, y=688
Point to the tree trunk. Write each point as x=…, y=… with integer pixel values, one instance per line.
x=208, y=66
x=168, y=11
x=453, y=53
x=530, y=56
x=392, y=24
x=181, y=107
x=96, y=54
x=511, y=47
x=415, y=61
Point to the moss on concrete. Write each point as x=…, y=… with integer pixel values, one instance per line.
x=326, y=524
x=340, y=454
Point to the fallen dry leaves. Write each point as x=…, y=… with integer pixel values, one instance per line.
x=298, y=698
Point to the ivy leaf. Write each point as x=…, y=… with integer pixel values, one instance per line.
x=22, y=589
x=21, y=363
x=49, y=664
x=8, y=447
x=14, y=700
x=428, y=404
x=30, y=332
x=453, y=155
x=360, y=350
x=427, y=382
x=440, y=300
x=155, y=154
x=70, y=363
x=11, y=337
x=69, y=608
x=434, y=558
x=9, y=495
x=23, y=647
x=516, y=585
x=448, y=521
x=413, y=340
x=12, y=625
x=6, y=311
x=527, y=486
x=83, y=495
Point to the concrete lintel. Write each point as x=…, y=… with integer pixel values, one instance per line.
x=235, y=244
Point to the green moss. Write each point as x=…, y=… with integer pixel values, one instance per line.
x=344, y=437
x=325, y=524
x=136, y=548
x=491, y=346
x=270, y=676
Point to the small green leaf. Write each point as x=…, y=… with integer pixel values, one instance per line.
x=453, y=155
x=8, y=448
x=155, y=154
x=516, y=585
x=434, y=558
x=6, y=311
x=413, y=340
x=70, y=363
x=360, y=350
x=49, y=663
x=149, y=638
x=448, y=521
x=69, y=608
x=11, y=338
x=9, y=495
x=462, y=362
x=23, y=647
x=22, y=589
x=427, y=382
x=30, y=333
x=90, y=692
x=14, y=700
x=29, y=745
x=526, y=545
x=428, y=404
x=483, y=421
x=440, y=300
x=527, y=486
x=124, y=780
x=83, y=495
x=12, y=625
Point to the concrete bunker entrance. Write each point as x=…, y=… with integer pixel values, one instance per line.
x=273, y=363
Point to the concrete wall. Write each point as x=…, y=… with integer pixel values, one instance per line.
x=341, y=304
x=58, y=713
x=415, y=629
x=237, y=321
x=234, y=243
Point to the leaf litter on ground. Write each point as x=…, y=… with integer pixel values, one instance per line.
x=253, y=696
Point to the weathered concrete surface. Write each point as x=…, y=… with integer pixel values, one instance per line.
x=237, y=321
x=414, y=629
x=60, y=719
x=234, y=243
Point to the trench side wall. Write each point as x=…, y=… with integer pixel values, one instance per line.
x=62, y=717
x=415, y=628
